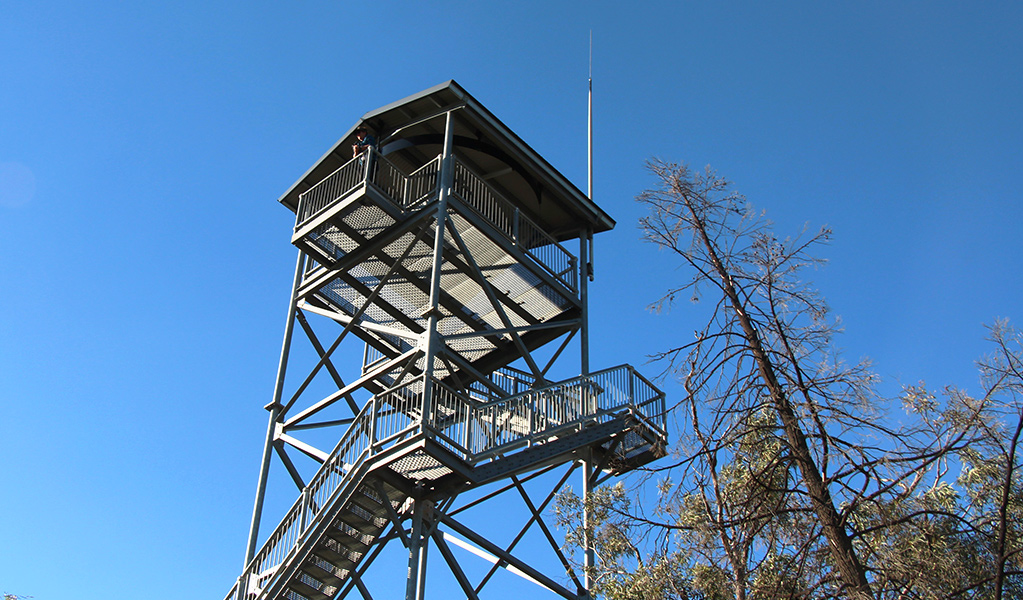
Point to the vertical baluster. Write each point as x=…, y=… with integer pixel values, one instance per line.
x=373, y=423
x=515, y=226
x=302, y=508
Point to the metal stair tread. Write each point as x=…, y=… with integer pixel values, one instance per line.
x=363, y=524
x=317, y=566
x=313, y=593
x=373, y=504
x=344, y=563
x=347, y=542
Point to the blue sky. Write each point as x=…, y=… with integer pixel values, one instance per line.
x=145, y=265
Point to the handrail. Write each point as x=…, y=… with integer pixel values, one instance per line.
x=476, y=193
x=405, y=191
x=409, y=191
x=474, y=431
x=422, y=183
x=371, y=431
x=339, y=183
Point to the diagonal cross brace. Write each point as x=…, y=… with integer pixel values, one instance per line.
x=497, y=304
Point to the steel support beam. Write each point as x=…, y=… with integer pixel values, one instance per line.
x=275, y=411
x=433, y=342
x=589, y=555
x=505, y=557
x=415, y=588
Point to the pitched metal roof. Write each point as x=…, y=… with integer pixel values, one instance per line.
x=410, y=133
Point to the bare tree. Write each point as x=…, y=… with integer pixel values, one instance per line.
x=791, y=477
x=767, y=331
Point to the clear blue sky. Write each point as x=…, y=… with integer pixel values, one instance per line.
x=145, y=265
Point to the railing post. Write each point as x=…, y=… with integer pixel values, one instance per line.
x=368, y=158
x=465, y=435
x=515, y=226
x=242, y=589
x=632, y=386
x=373, y=424
x=573, y=266
x=303, y=508
x=532, y=415
x=299, y=214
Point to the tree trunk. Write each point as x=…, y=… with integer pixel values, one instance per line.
x=842, y=551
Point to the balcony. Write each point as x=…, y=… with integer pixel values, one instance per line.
x=369, y=195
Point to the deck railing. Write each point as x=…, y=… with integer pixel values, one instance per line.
x=475, y=432
x=405, y=191
x=473, y=191
x=336, y=185
x=510, y=381
x=409, y=191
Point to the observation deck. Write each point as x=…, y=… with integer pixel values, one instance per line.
x=501, y=270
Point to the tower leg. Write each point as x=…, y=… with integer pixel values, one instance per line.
x=275, y=409
x=433, y=342
x=588, y=551
x=415, y=587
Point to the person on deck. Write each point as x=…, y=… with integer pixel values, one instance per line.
x=363, y=140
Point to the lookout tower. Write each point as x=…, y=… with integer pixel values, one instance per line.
x=441, y=284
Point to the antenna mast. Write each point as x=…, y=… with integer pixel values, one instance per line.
x=589, y=128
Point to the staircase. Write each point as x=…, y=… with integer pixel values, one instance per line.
x=381, y=461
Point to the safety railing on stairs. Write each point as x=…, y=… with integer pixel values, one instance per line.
x=384, y=421
x=474, y=431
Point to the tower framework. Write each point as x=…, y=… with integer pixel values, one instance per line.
x=437, y=267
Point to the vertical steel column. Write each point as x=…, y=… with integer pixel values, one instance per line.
x=447, y=168
x=589, y=556
x=275, y=411
x=415, y=586
x=585, y=271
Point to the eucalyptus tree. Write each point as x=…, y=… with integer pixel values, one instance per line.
x=792, y=477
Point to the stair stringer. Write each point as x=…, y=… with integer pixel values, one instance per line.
x=331, y=516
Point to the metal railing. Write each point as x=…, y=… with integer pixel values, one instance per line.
x=383, y=422
x=422, y=183
x=473, y=431
x=336, y=185
x=476, y=432
x=476, y=193
x=405, y=191
x=510, y=381
x=408, y=191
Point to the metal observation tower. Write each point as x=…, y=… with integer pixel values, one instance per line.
x=441, y=286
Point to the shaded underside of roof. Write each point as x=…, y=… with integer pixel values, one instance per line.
x=410, y=133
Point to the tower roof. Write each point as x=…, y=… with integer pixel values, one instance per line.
x=410, y=132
